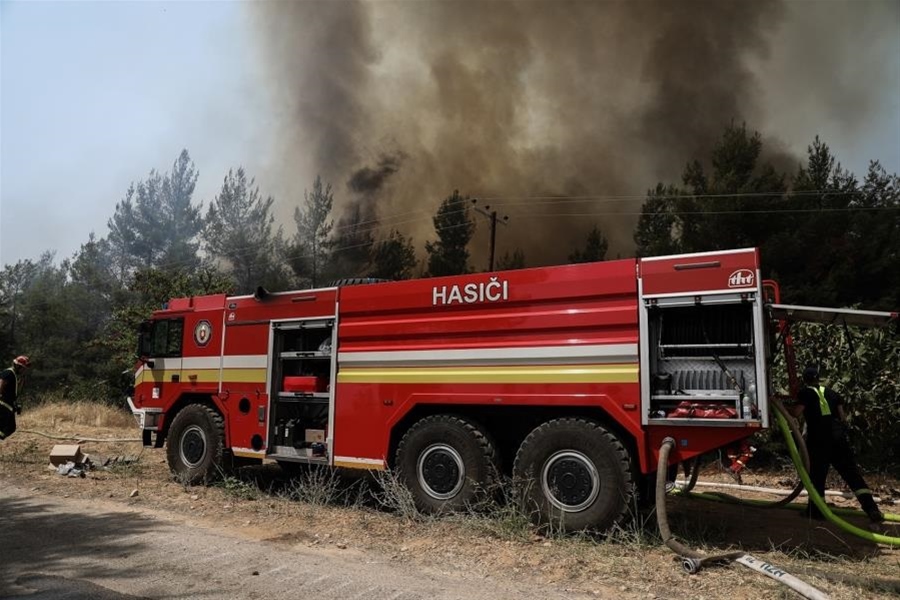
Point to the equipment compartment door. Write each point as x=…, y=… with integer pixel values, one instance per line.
x=301, y=393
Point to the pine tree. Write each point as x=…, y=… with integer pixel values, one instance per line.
x=239, y=230
x=156, y=224
x=393, y=257
x=354, y=241
x=311, y=250
x=508, y=261
x=594, y=249
x=449, y=255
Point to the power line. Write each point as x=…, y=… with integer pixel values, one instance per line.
x=713, y=212
x=396, y=219
x=506, y=200
x=492, y=215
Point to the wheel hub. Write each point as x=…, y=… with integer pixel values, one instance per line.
x=570, y=481
x=441, y=471
x=193, y=446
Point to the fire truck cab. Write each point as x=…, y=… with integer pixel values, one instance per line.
x=566, y=377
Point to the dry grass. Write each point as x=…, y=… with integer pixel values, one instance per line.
x=489, y=540
x=61, y=415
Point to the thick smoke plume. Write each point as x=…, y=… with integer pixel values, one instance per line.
x=399, y=103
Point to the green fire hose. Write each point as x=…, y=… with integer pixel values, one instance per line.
x=693, y=561
x=820, y=502
x=800, y=464
x=794, y=436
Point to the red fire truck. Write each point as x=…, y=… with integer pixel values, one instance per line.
x=567, y=377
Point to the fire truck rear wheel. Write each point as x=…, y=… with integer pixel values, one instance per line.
x=574, y=474
x=195, y=444
x=446, y=462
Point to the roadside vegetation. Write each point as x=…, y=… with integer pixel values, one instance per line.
x=321, y=508
x=830, y=238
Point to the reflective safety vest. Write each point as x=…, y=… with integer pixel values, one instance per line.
x=823, y=403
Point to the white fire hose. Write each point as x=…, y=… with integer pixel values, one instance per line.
x=783, y=577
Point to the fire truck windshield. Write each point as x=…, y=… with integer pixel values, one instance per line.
x=160, y=338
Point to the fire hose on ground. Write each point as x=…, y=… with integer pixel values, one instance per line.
x=800, y=457
x=692, y=561
x=820, y=502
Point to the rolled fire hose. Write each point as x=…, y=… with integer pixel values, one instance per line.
x=692, y=561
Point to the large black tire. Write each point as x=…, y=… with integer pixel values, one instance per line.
x=446, y=462
x=574, y=474
x=195, y=445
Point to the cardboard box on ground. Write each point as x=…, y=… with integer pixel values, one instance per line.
x=63, y=453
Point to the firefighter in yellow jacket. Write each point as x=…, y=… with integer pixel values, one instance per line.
x=10, y=384
x=829, y=444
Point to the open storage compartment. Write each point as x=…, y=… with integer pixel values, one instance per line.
x=302, y=369
x=704, y=360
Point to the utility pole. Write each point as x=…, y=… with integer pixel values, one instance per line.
x=492, y=215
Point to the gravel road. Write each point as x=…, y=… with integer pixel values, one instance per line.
x=69, y=549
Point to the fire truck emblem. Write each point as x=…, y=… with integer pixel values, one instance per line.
x=741, y=278
x=493, y=290
x=202, y=333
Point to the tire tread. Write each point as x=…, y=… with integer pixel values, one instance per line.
x=622, y=455
x=485, y=444
x=216, y=446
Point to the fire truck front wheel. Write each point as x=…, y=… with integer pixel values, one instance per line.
x=195, y=444
x=446, y=461
x=574, y=474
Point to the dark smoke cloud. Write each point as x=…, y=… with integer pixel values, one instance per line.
x=400, y=103
x=368, y=180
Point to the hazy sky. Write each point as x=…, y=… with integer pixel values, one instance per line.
x=95, y=94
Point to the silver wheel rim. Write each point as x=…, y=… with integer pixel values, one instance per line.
x=186, y=449
x=573, y=467
x=436, y=457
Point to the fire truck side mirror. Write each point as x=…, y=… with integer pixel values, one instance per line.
x=126, y=381
x=261, y=294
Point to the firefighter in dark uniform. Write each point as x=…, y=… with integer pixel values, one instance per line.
x=829, y=444
x=10, y=384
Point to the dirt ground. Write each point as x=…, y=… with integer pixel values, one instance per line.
x=336, y=513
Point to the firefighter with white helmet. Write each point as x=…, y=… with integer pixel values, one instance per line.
x=10, y=384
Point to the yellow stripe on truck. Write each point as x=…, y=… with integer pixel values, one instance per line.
x=347, y=462
x=627, y=373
